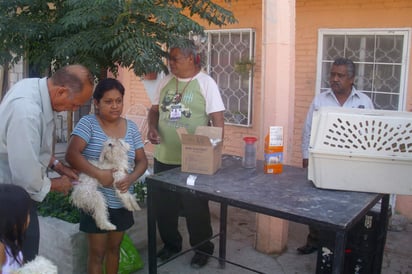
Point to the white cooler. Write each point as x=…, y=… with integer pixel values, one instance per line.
x=361, y=150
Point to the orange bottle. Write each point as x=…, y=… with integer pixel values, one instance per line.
x=273, y=151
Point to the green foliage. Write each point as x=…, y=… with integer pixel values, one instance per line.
x=140, y=191
x=59, y=206
x=101, y=34
x=244, y=66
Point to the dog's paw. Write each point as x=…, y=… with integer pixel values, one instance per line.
x=106, y=226
x=136, y=206
x=131, y=204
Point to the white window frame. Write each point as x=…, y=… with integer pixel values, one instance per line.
x=251, y=55
x=406, y=32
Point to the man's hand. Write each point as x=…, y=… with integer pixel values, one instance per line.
x=153, y=136
x=61, y=184
x=65, y=170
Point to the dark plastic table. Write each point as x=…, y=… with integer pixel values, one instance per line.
x=288, y=195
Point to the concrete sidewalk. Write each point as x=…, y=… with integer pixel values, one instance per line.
x=241, y=236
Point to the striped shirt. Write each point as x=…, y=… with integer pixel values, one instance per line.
x=88, y=128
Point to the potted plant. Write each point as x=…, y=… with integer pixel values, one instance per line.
x=244, y=66
x=60, y=237
x=150, y=76
x=238, y=116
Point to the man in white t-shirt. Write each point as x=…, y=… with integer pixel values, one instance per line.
x=186, y=98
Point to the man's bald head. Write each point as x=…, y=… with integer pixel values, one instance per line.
x=74, y=77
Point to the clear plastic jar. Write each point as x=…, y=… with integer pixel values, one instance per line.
x=249, y=155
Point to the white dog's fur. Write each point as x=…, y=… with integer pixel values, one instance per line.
x=85, y=194
x=39, y=265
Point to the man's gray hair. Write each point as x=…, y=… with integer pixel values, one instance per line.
x=73, y=77
x=186, y=46
x=350, y=66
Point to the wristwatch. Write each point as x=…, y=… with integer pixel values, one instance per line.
x=55, y=163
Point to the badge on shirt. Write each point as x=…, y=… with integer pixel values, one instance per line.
x=175, y=112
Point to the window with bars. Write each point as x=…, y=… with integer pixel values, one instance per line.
x=381, y=60
x=223, y=52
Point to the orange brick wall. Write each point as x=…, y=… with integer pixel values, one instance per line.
x=311, y=15
x=248, y=14
x=135, y=92
x=314, y=14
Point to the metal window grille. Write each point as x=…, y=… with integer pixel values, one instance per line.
x=381, y=60
x=222, y=52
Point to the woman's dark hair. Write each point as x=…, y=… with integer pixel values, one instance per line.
x=15, y=206
x=105, y=85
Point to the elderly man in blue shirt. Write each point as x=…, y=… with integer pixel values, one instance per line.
x=341, y=93
x=26, y=137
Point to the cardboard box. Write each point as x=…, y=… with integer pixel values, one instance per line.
x=273, y=151
x=200, y=151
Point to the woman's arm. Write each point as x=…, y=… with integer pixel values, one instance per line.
x=2, y=256
x=139, y=169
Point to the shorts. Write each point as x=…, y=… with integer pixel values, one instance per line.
x=120, y=217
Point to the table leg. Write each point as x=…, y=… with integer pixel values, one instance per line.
x=382, y=232
x=151, y=230
x=222, y=238
x=339, y=252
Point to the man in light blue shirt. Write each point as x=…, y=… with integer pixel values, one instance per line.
x=26, y=137
x=342, y=93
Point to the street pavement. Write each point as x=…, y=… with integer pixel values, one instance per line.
x=240, y=250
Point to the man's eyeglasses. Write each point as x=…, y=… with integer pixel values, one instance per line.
x=334, y=74
x=176, y=59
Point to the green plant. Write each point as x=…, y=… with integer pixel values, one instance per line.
x=238, y=116
x=101, y=34
x=59, y=206
x=244, y=66
x=140, y=191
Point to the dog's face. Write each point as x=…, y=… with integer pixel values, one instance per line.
x=114, y=150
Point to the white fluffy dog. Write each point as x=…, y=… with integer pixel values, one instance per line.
x=39, y=265
x=85, y=194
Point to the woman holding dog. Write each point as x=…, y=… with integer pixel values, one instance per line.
x=86, y=144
